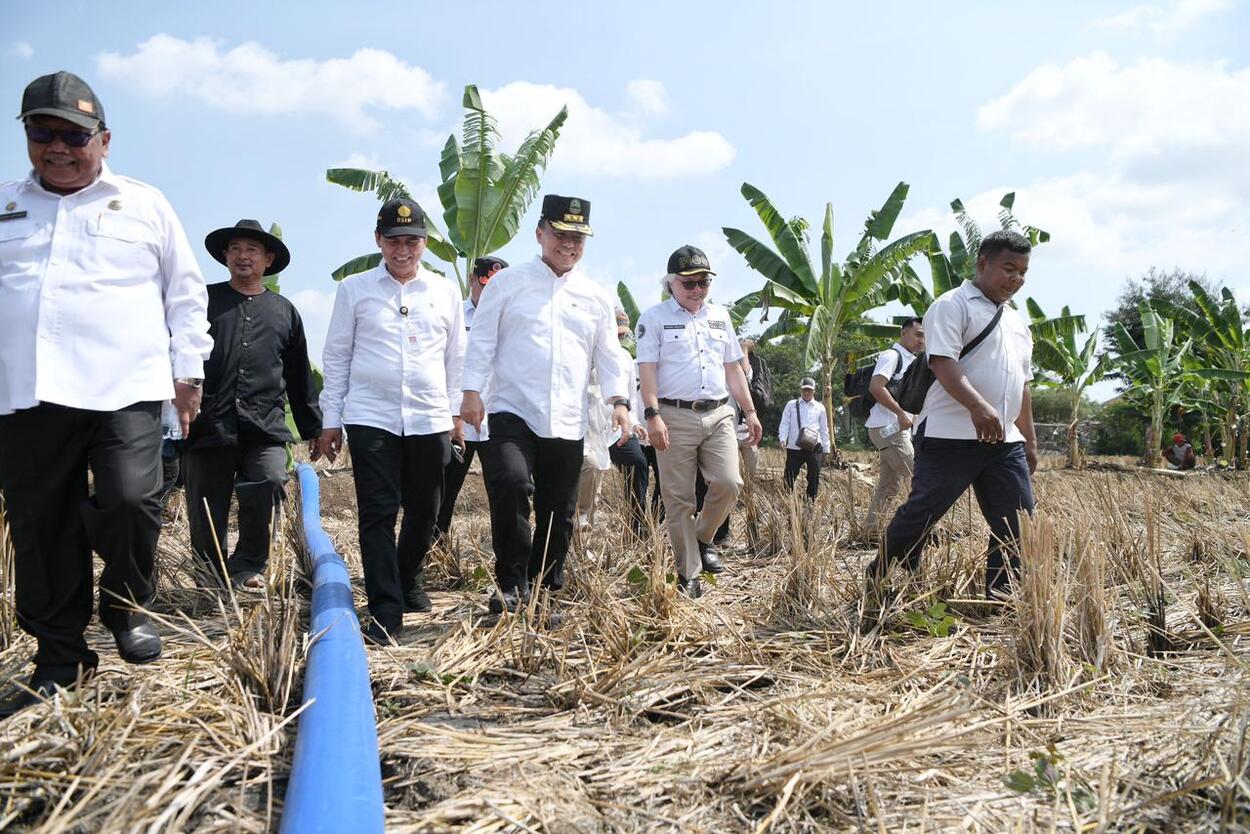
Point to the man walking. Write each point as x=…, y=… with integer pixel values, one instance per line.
x=889, y=426
x=237, y=446
x=392, y=365
x=98, y=290
x=538, y=332
x=804, y=434
x=484, y=269
x=976, y=427
x=688, y=361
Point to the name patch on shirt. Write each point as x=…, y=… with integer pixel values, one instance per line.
x=12, y=215
x=716, y=323
x=674, y=327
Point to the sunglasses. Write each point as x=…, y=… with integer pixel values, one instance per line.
x=701, y=283
x=71, y=138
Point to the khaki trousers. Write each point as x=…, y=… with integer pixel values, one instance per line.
x=897, y=462
x=750, y=457
x=588, y=488
x=698, y=442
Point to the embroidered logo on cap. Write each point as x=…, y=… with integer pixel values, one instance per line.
x=404, y=211
x=575, y=206
x=86, y=106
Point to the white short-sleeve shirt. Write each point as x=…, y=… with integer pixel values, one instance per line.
x=888, y=366
x=998, y=368
x=690, y=350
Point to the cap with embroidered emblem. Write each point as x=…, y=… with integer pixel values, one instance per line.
x=689, y=260
x=483, y=266
x=64, y=95
x=567, y=214
x=401, y=216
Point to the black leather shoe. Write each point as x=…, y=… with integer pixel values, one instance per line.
x=38, y=690
x=139, y=641
x=378, y=635
x=691, y=587
x=505, y=599
x=711, y=559
x=417, y=601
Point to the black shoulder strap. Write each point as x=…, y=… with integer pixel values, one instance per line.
x=971, y=346
x=899, y=366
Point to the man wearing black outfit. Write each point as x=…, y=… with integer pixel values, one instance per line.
x=238, y=443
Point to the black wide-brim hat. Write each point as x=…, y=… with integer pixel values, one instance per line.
x=217, y=241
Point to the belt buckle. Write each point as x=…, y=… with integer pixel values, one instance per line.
x=702, y=405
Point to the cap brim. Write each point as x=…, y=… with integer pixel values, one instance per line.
x=580, y=228
x=403, y=231
x=217, y=241
x=699, y=271
x=80, y=119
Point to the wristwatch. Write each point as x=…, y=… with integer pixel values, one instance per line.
x=650, y=412
x=190, y=381
x=621, y=401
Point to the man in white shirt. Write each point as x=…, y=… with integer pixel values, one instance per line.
x=99, y=295
x=392, y=364
x=688, y=361
x=805, y=412
x=540, y=328
x=889, y=426
x=629, y=456
x=976, y=427
x=484, y=269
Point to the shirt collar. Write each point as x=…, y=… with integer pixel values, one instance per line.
x=674, y=307
x=384, y=275
x=541, y=264
x=971, y=290
x=907, y=354
x=107, y=179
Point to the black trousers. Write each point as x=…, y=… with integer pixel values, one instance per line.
x=520, y=465
x=657, y=497
x=453, y=480
x=55, y=522
x=257, y=473
x=999, y=477
x=796, y=459
x=393, y=471
x=630, y=458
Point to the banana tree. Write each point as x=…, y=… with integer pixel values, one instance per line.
x=1070, y=368
x=820, y=307
x=1153, y=370
x=484, y=192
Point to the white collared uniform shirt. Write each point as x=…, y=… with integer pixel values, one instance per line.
x=998, y=368
x=888, y=366
x=801, y=414
x=99, y=294
x=690, y=350
x=536, y=337
x=393, y=353
x=471, y=434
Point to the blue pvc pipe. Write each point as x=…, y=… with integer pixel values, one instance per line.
x=336, y=775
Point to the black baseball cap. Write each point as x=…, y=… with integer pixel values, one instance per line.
x=483, y=266
x=64, y=95
x=567, y=214
x=401, y=216
x=689, y=260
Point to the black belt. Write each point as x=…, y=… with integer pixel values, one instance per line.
x=695, y=405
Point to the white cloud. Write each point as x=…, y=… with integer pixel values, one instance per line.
x=595, y=141
x=1163, y=18
x=21, y=50
x=250, y=79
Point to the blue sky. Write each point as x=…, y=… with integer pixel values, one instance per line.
x=1123, y=127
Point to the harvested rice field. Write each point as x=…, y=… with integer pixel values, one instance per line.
x=1110, y=694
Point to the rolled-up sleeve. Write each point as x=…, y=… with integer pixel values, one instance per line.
x=186, y=299
x=336, y=359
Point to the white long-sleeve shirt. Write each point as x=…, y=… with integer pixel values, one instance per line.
x=809, y=415
x=536, y=337
x=471, y=434
x=393, y=353
x=99, y=294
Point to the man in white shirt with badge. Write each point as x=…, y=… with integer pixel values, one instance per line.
x=889, y=426
x=100, y=295
x=804, y=433
x=392, y=364
x=484, y=269
x=540, y=328
x=976, y=427
x=689, y=364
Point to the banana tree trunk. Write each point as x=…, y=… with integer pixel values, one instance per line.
x=1243, y=444
x=1154, y=452
x=1074, y=443
x=1208, y=448
x=827, y=371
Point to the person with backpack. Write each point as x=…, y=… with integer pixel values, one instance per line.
x=888, y=424
x=804, y=434
x=976, y=425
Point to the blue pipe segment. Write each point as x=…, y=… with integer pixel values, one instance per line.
x=336, y=774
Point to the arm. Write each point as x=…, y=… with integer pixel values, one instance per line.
x=186, y=314
x=877, y=387
x=826, y=445
x=1025, y=424
x=479, y=354
x=741, y=391
x=301, y=387
x=336, y=364
x=610, y=373
x=783, y=429
x=951, y=376
x=453, y=364
x=656, y=430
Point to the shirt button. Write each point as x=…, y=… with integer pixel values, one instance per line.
x=245, y=344
x=247, y=318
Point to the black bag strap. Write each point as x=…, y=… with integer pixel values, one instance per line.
x=899, y=366
x=971, y=346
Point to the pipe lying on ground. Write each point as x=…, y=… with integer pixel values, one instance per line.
x=336, y=776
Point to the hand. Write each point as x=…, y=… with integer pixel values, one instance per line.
x=471, y=409
x=783, y=445
x=314, y=449
x=640, y=432
x=187, y=404
x=755, y=431
x=329, y=443
x=904, y=421
x=457, y=432
x=989, y=427
x=658, y=433
x=620, y=419
x=1030, y=454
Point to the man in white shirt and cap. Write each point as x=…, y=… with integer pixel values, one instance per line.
x=803, y=420
x=484, y=269
x=889, y=426
x=540, y=329
x=392, y=364
x=102, y=318
x=689, y=364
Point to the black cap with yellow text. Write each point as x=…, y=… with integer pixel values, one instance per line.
x=401, y=216
x=567, y=214
x=64, y=95
x=689, y=260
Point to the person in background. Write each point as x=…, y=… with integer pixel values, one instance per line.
x=1180, y=455
x=804, y=416
x=889, y=426
x=629, y=456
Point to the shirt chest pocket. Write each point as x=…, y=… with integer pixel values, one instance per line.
x=17, y=245
x=678, y=343
x=123, y=247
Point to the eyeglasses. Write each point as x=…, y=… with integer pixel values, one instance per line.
x=71, y=138
x=701, y=283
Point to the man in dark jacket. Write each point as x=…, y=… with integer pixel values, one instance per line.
x=238, y=442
